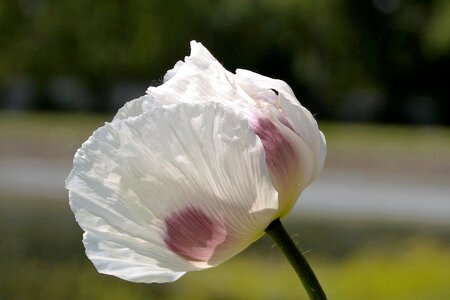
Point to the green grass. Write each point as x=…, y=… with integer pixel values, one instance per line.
x=417, y=271
x=387, y=138
x=49, y=125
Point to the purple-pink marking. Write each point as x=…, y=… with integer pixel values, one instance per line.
x=280, y=154
x=193, y=235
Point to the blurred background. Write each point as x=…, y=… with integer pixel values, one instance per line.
x=375, y=225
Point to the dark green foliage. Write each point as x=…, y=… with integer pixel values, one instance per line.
x=353, y=60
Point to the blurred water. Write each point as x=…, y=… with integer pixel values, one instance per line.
x=376, y=196
x=33, y=178
x=335, y=193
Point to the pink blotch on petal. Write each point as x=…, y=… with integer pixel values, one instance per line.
x=281, y=157
x=193, y=235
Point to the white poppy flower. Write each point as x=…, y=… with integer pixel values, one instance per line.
x=193, y=172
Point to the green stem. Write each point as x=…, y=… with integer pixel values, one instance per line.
x=277, y=232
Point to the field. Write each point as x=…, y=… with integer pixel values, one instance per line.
x=41, y=255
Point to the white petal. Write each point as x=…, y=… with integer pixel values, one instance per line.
x=140, y=186
x=304, y=124
x=173, y=71
x=137, y=107
x=253, y=83
x=200, y=78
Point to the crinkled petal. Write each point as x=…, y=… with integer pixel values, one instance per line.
x=179, y=188
x=137, y=107
x=200, y=78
